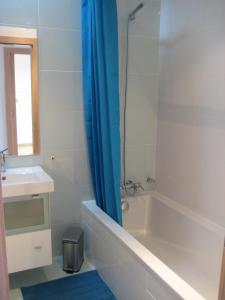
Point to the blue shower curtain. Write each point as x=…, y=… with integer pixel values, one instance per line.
x=101, y=101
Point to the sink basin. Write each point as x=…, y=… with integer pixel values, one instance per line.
x=26, y=181
x=13, y=178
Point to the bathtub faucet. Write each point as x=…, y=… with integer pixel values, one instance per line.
x=132, y=188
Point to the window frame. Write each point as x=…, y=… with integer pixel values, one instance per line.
x=9, y=53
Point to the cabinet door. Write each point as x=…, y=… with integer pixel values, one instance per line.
x=29, y=250
x=23, y=214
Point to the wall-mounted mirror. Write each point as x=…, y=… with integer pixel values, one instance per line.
x=19, y=120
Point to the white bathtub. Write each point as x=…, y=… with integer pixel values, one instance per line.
x=164, y=251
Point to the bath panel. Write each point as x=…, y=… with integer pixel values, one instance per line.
x=154, y=256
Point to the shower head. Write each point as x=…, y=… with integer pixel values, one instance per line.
x=132, y=15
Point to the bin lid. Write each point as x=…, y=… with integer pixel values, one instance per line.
x=72, y=235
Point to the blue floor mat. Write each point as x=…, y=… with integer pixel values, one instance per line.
x=85, y=286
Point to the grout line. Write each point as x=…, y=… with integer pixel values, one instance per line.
x=143, y=74
x=59, y=28
x=65, y=110
x=139, y=145
x=46, y=152
x=27, y=26
x=62, y=71
x=68, y=150
x=145, y=37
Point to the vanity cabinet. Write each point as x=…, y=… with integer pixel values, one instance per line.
x=28, y=232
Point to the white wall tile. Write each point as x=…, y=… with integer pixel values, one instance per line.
x=58, y=231
x=193, y=176
x=204, y=14
x=66, y=205
x=23, y=12
x=68, y=168
x=140, y=163
x=63, y=130
x=147, y=19
x=60, y=50
x=143, y=92
x=61, y=91
x=60, y=14
x=141, y=126
x=143, y=55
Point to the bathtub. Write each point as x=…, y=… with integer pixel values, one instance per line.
x=164, y=251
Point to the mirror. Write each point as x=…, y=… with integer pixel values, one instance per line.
x=19, y=121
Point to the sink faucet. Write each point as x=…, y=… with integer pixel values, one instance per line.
x=2, y=160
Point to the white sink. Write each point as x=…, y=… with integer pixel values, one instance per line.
x=26, y=181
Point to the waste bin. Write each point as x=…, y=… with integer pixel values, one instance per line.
x=73, y=245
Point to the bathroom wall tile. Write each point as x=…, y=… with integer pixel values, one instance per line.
x=24, y=161
x=87, y=192
x=143, y=92
x=199, y=90
x=60, y=13
x=200, y=56
x=58, y=231
x=66, y=205
x=23, y=12
x=147, y=23
x=60, y=50
x=68, y=169
x=61, y=91
x=193, y=174
x=144, y=155
x=203, y=14
x=63, y=130
x=141, y=126
x=147, y=20
x=139, y=62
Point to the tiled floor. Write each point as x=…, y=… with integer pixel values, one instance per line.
x=44, y=274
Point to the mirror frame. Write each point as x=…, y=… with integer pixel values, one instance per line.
x=32, y=42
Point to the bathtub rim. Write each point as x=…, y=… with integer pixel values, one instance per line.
x=149, y=261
